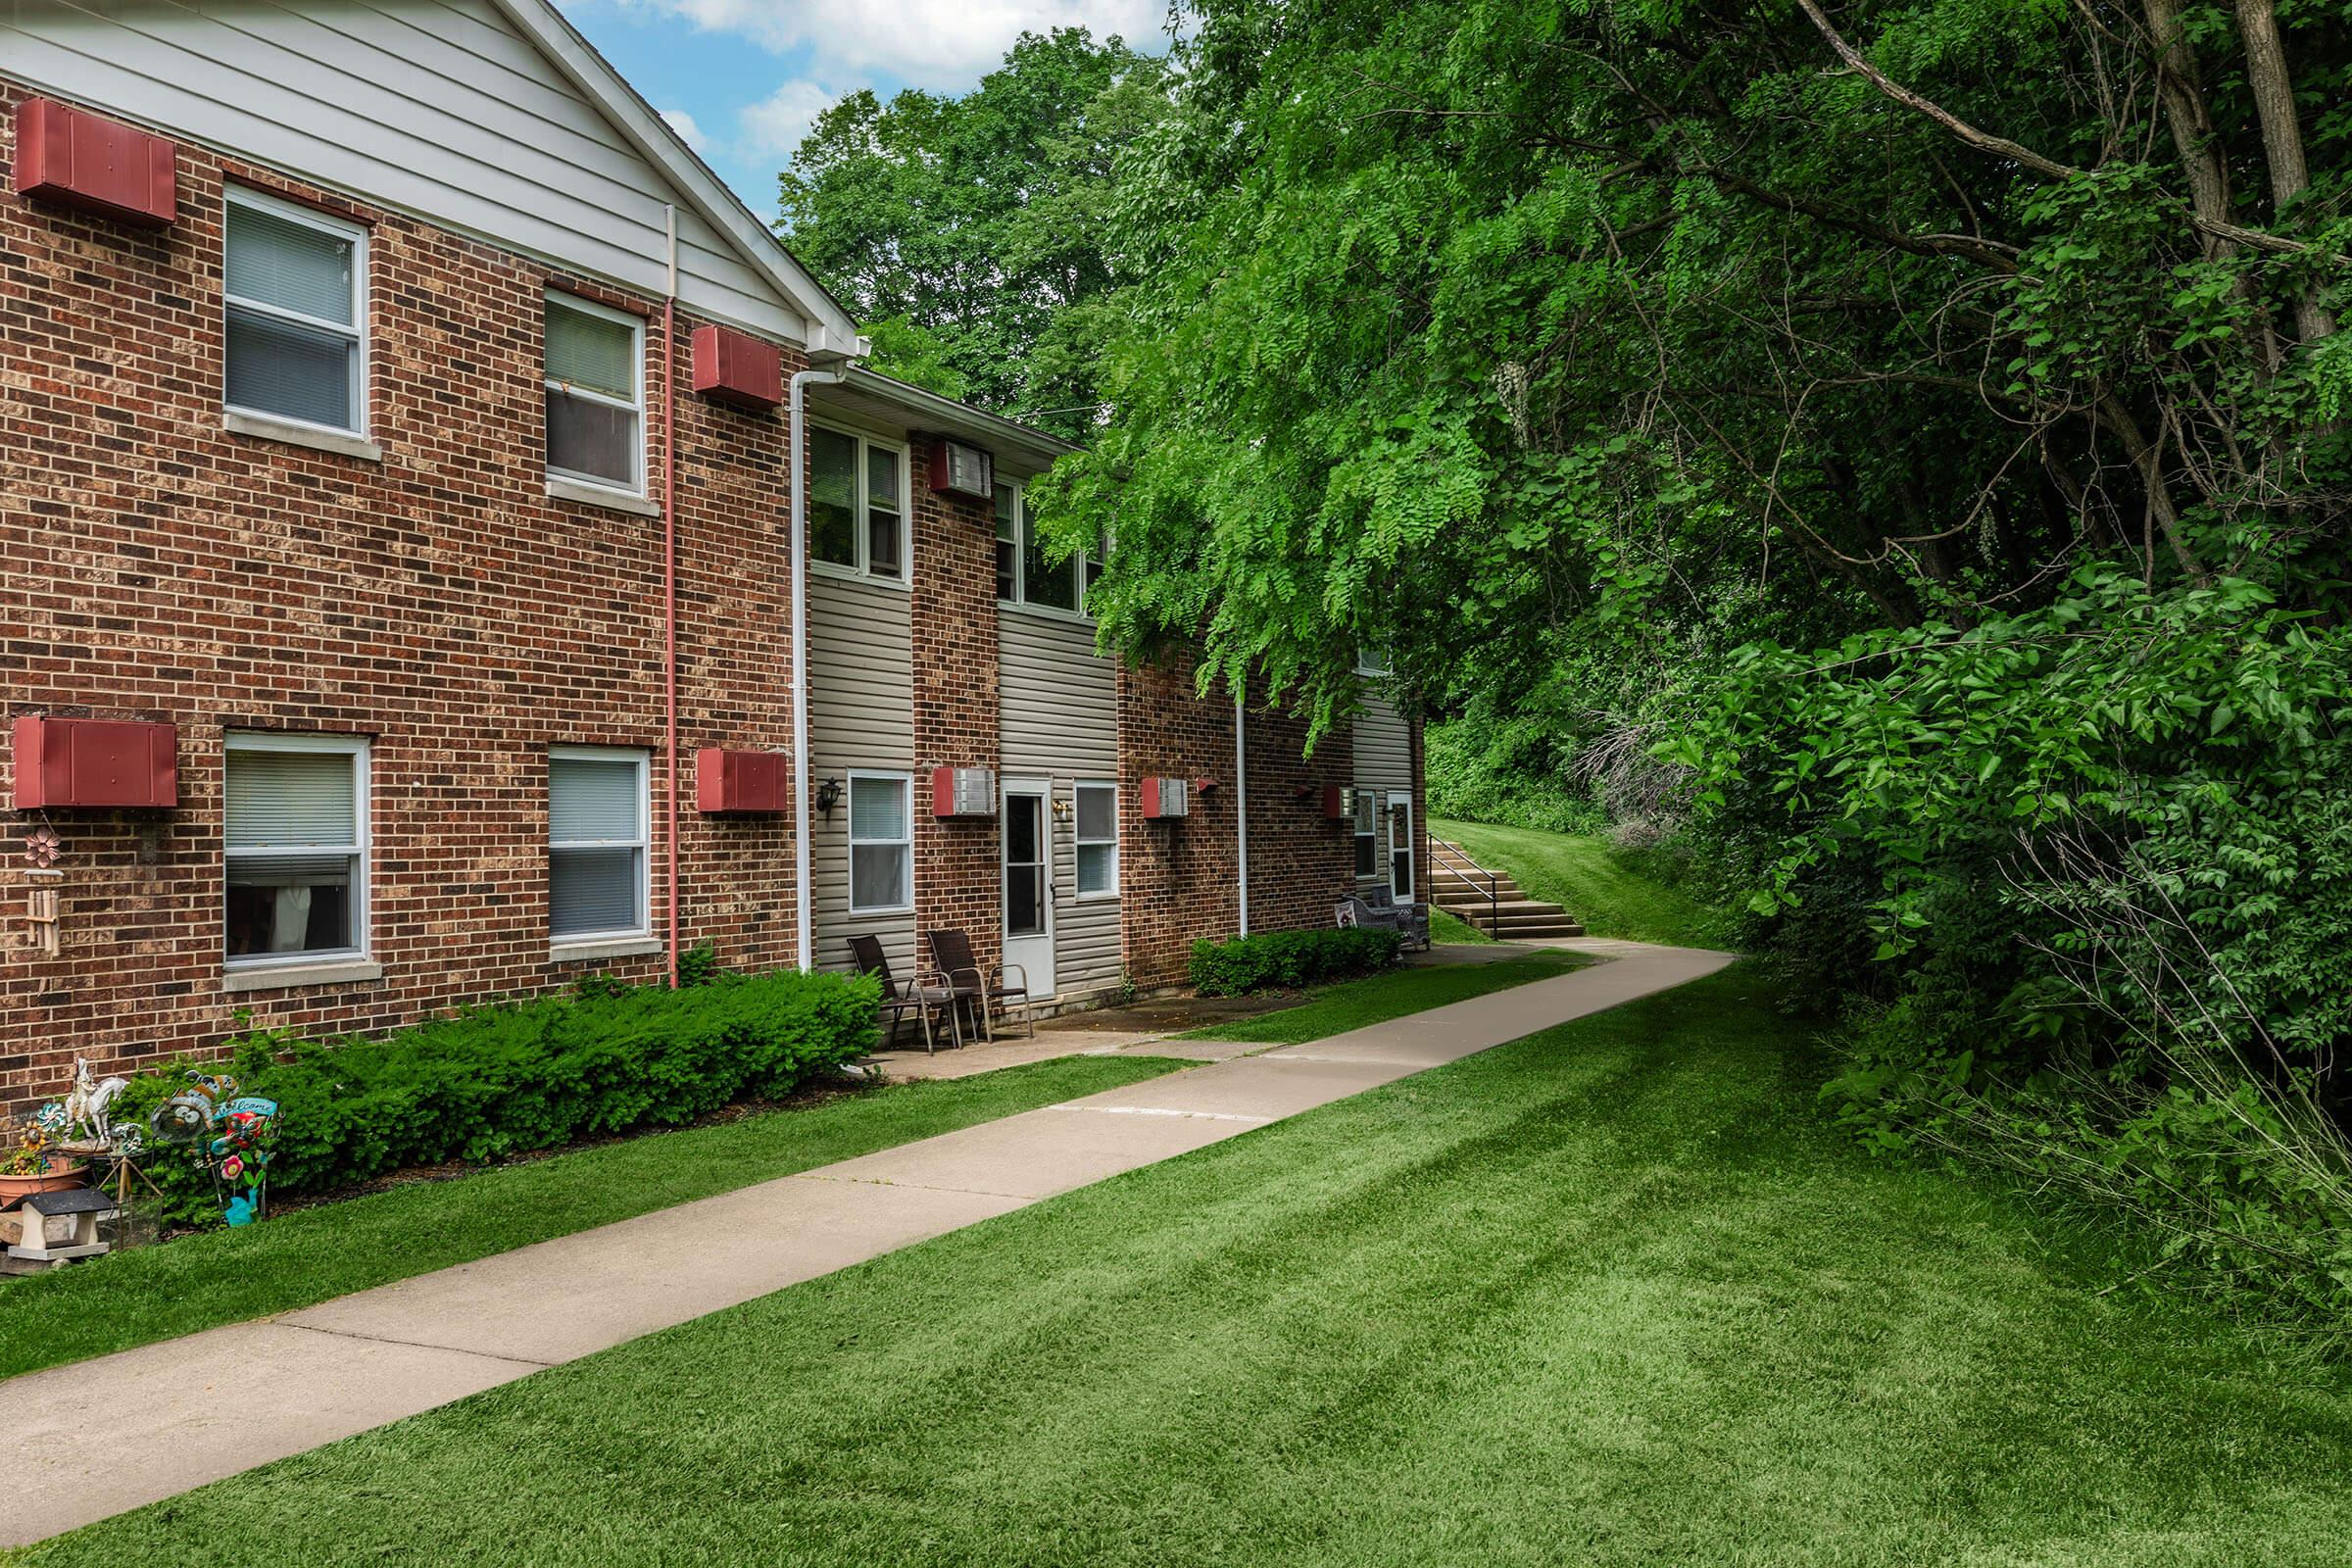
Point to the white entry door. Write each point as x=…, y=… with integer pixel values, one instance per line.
x=1029, y=880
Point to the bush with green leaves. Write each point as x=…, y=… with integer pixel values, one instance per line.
x=1286, y=959
x=509, y=1078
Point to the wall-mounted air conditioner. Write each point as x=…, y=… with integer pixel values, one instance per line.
x=963, y=792
x=1165, y=799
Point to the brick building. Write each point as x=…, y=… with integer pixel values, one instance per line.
x=387, y=447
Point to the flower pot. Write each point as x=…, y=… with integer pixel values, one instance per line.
x=54, y=1176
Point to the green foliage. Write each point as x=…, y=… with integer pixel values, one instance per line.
x=1287, y=960
x=509, y=1078
x=966, y=233
x=1478, y=772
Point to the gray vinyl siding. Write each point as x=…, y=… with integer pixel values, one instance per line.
x=1384, y=762
x=860, y=714
x=438, y=107
x=1059, y=719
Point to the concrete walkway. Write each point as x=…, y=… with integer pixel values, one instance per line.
x=99, y=1437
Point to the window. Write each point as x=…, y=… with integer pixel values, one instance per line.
x=1371, y=661
x=296, y=285
x=595, y=394
x=881, y=843
x=596, y=842
x=1367, y=845
x=1098, y=841
x=296, y=847
x=1400, y=846
x=1024, y=576
x=857, y=503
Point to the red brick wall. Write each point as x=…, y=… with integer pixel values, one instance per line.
x=1300, y=862
x=957, y=866
x=158, y=568
x=1178, y=878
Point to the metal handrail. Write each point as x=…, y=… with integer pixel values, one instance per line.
x=1437, y=851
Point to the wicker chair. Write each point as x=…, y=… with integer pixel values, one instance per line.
x=898, y=1001
x=995, y=990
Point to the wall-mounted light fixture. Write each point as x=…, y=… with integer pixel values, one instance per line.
x=829, y=796
x=1061, y=807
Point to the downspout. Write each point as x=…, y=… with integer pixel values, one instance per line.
x=798, y=459
x=670, y=573
x=1241, y=801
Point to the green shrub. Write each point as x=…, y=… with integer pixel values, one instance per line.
x=1279, y=959
x=509, y=1078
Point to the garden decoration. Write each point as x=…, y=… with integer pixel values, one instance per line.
x=38, y=1164
x=87, y=1107
x=230, y=1136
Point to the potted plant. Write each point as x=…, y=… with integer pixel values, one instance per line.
x=34, y=1163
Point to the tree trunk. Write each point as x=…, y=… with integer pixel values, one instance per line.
x=2282, y=134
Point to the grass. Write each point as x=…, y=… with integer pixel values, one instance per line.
x=1609, y=1296
x=312, y=1254
x=1443, y=927
x=1353, y=1003
x=1592, y=880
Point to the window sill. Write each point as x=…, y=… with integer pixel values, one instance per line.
x=876, y=914
x=260, y=425
x=1074, y=617
x=596, y=495
x=1095, y=897
x=286, y=976
x=841, y=574
x=603, y=948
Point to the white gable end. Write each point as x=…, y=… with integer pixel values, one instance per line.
x=488, y=117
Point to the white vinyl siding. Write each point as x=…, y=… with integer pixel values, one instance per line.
x=595, y=395
x=861, y=716
x=881, y=842
x=295, y=848
x=597, y=832
x=295, y=291
x=857, y=505
x=437, y=108
x=1384, y=763
x=1058, y=719
x=1098, y=836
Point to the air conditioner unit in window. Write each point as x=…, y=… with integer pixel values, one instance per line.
x=1165, y=799
x=963, y=792
x=957, y=468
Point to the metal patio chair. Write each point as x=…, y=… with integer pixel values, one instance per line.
x=994, y=990
x=898, y=1001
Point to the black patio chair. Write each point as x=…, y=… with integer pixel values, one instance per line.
x=898, y=1001
x=994, y=990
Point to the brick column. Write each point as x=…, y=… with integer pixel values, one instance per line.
x=1178, y=879
x=1300, y=862
x=957, y=870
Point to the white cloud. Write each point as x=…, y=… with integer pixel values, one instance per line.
x=932, y=43
x=688, y=131
x=772, y=128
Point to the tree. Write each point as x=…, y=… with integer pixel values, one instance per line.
x=964, y=231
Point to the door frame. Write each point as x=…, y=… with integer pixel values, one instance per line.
x=1042, y=790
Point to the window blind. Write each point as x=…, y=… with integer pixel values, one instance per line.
x=276, y=261
x=292, y=800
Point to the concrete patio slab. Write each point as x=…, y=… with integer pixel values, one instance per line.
x=87, y=1441
x=1039, y=1153
x=562, y=1299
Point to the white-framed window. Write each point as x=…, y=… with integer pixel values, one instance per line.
x=1367, y=841
x=1400, y=846
x=597, y=807
x=881, y=843
x=1097, y=838
x=1373, y=662
x=595, y=374
x=295, y=843
x=857, y=503
x=295, y=286
x=1024, y=576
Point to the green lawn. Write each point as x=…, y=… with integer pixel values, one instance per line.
x=1592, y=881
x=312, y=1254
x=1609, y=1295
x=1353, y=1003
x=1443, y=927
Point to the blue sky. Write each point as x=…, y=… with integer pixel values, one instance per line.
x=743, y=78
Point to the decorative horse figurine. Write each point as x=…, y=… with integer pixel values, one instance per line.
x=89, y=1105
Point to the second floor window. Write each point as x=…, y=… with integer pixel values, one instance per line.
x=1023, y=575
x=857, y=506
x=595, y=395
x=296, y=291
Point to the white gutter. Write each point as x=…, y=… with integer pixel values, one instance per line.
x=798, y=459
x=1241, y=801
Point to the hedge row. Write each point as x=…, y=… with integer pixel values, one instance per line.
x=509, y=1078
x=1288, y=959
